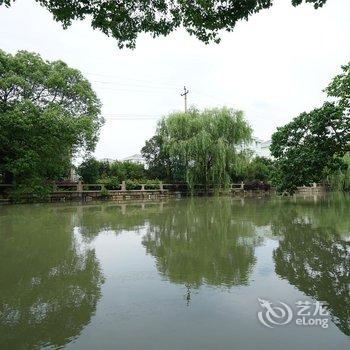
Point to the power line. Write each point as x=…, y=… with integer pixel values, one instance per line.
x=148, y=91
x=152, y=82
x=143, y=86
x=131, y=117
x=113, y=84
x=128, y=115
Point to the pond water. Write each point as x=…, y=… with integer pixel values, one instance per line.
x=195, y=273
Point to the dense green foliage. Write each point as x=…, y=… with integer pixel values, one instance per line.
x=89, y=170
x=339, y=87
x=199, y=147
x=48, y=114
x=259, y=168
x=340, y=179
x=127, y=170
x=93, y=171
x=157, y=159
x=124, y=20
x=313, y=145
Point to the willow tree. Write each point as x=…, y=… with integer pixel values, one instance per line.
x=203, y=145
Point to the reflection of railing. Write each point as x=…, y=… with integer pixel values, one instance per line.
x=313, y=188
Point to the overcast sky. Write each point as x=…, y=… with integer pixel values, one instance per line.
x=272, y=67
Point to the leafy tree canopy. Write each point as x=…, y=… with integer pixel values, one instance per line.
x=259, y=168
x=127, y=170
x=339, y=87
x=200, y=146
x=89, y=170
x=48, y=113
x=124, y=20
x=157, y=158
x=92, y=171
x=314, y=143
x=340, y=179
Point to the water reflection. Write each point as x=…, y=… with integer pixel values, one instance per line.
x=50, y=282
x=316, y=260
x=201, y=242
x=213, y=241
x=51, y=279
x=96, y=218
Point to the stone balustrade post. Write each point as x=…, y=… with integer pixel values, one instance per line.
x=80, y=186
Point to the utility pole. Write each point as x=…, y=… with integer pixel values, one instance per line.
x=184, y=94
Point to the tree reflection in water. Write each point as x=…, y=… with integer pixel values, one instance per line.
x=50, y=282
x=202, y=242
x=213, y=241
x=50, y=278
x=316, y=258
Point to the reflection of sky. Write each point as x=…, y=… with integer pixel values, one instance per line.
x=265, y=265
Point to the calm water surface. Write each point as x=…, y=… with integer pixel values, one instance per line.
x=183, y=274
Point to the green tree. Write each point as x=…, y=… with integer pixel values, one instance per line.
x=313, y=144
x=92, y=171
x=157, y=158
x=134, y=171
x=48, y=114
x=340, y=179
x=127, y=170
x=124, y=20
x=201, y=146
x=339, y=87
x=104, y=169
x=89, y=170
x=259, y=168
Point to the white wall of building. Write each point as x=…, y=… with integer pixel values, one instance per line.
x=258, y=147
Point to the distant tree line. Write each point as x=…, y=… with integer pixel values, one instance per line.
x=94, y=171
x=49, y=114
x=91, y=171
